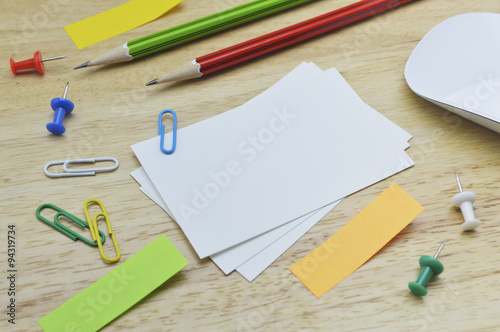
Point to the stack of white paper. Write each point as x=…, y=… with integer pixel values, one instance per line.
x=248, y=183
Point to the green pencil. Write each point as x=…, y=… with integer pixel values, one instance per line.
x=193, y=30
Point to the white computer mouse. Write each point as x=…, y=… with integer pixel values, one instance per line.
x=457, y=66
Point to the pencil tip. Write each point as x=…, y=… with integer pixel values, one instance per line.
x=153, y=82
x=82, y=65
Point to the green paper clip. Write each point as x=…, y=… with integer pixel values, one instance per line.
x=63, y=229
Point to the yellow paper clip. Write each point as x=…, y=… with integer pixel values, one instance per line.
x=94, y=230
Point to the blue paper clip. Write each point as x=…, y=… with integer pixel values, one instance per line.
x=161, y=129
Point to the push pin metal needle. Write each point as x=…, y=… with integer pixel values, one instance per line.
x=36, y=62
x=430, y=267
x=464, y=200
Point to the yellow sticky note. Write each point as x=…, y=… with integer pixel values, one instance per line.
x=118, y=20
x=116, y=292
x=357, y=241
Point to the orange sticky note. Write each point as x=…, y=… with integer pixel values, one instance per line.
x=357, y=241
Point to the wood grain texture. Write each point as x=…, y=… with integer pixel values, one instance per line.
x=113, y=109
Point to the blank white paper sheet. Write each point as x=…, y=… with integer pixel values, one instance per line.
x=253, y=256
x=246, y=184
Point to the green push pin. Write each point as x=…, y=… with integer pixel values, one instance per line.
x=430, y=266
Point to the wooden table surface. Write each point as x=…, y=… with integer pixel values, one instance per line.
x=114, y=109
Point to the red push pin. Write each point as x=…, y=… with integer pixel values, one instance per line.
x=36, y=62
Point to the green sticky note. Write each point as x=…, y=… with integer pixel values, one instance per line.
x=116, y=292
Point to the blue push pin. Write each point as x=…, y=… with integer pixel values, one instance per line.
x=61, y=107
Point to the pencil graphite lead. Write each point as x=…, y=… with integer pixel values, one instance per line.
x=187, y=71
x=82, y=65
x=153, y=82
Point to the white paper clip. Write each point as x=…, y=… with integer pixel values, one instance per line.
x=79, y=172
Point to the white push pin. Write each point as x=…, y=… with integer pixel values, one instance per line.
x=464, y=200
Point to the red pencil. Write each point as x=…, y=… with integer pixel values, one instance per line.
x=278, y=39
